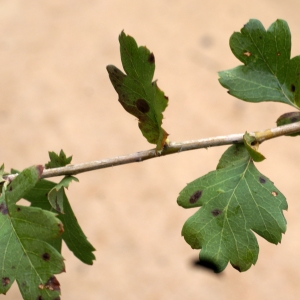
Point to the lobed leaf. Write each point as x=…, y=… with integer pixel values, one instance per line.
x=137, y=93
x=25, y=252
x=58, y=160
x=268, y=73
x=73, y=235
x=236, y=200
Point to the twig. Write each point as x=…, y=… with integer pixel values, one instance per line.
x=171, y=148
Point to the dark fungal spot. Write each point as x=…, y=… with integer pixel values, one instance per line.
x=254, y=143
x=39, y=298
x=10, y=188
x=195, y=197
x=46, y=256
x=216, y=212
x=293, y=88
x=294, y=119
x=40, y=169
x=57, y=298
x=61, y=227
x=3, y=209
x=262, y=180
x=18, y=208
x=142, y=106
x=52, y=284
x=5, y=281
x=151, y=58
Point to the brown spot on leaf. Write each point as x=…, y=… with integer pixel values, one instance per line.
x=142, y=106
x=278, y=53
x=41, y=286
x=262, y=180
x=10, y=188
x=61, y=227
x=5, y=281
x=57, y=298
x=18, y=208
x=195, y=197
x=3, y=209
x=247, y=53
x=216, y=212
x=151, y=58
x=294, y=119
x=39, y=298
x=274, y=193
x=40, y=169
x=52, y=284
x=46, y=256
x=293, y=88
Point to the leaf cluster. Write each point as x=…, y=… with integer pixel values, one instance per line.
x=235, y=201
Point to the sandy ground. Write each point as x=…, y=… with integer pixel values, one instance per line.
x=55, y=94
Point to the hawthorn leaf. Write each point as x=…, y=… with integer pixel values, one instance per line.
x=56, y=195
x=137, y=93
x=73, y=235
x=58, y=160
x=268, y=73
x=252, y=146
x=25, y=252
x=289, y=118
x=236, y=201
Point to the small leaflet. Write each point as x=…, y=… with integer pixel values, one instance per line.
x=236, y=200
x=56, y=195
x=138, y=94
x=252, y=146
x=58, y=160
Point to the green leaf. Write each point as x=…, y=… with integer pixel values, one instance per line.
x=57, y=161
x=56, y=195
x=268, y=73
x=73, y=235
x=137, y=93
x=252, y=146
x=236, y=201
x=289, y=118
x=2, y=174
x=25, y=252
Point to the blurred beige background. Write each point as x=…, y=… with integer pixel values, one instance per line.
x=55, y=94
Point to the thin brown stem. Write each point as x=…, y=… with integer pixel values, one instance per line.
x=171, y=148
